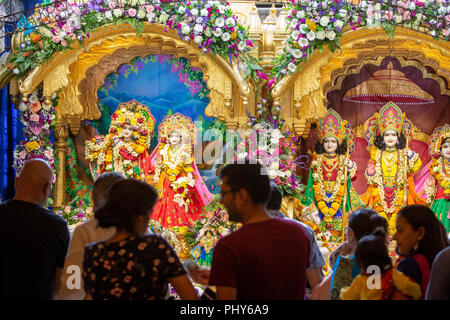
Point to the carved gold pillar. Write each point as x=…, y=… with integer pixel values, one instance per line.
x=255, y=31
x=268, y=44
x=61, y=133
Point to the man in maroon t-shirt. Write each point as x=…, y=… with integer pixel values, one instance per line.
x=266, y=258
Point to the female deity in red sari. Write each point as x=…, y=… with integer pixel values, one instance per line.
x=182, y=191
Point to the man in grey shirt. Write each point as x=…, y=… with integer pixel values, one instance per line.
x=316, y=260
x=439, y=284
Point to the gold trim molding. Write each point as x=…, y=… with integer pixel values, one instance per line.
x=303, y=94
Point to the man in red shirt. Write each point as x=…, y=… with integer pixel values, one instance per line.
x=267, y=257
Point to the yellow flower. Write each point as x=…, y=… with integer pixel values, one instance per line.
x=108, y=158
x=233, y=35
x=311, y=25
x=31, y=146
x=139, y=149
x=133, y=122
x=335, y=205
x=137, y=115
x=121, y=119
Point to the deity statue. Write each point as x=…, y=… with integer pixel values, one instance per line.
x=392, y=164
x=182, y=191
x=203, y=252
x=125, y=148
x=329, y=184
x=437, y=186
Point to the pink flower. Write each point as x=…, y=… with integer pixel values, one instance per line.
x=149, y=8
x=64, y=43
x=66, y=28
x=389, y=15
x=406, y=15
x=22, y=154
x=446, y=32
x=34, y=118
x=50, y=9
x=132, y=12
x=56, y=39
x=48, y=154
x=370, y=12
x=112, y=5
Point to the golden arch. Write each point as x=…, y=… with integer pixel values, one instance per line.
x=303, y=94
x=78, y=73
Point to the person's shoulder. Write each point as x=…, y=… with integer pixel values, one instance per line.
x=443, y=257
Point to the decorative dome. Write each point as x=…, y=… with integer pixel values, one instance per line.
x=388, y=85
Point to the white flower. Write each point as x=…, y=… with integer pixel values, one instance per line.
x=46, y=107
x=272, y=174
x=412, y=6
x=33, y=98
x=303, y=42
x=363, y=4
x=320, y=34
x=377, y=7
x=117, y=12
x=208, y=32
x=151, y=16
x=199, y=20
x=398, y=19
x=133, y=2
x=292, y=67
x=296, y=53
x=217, y=33
x=142, y=1
x=141, y=14
x=108, y=15
x=220, y=22
x=242, y=45
x=294, y=23
x=181, y=10
x=304, y=28
x=204, y=12
x=339, y=24
x=194, y=11
x=198, y=28
x=288, y=174
x=311, y=36
x=301, y=14
x=295, y=34
x=324, y=21
x=23, y=107
x=226, y=36
x=185, y=29
x=343, y=13
x=275, y=165
x=230, y=22
x=45, y=126
x=163, y=17
x=198, y=39
x=315, y=176
x=222, y=9
x=330, y=34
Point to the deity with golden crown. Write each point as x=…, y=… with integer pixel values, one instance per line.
x=125, y=148
x=392, y=164
x=328, y=186
x=182, y=191
x=437, y=186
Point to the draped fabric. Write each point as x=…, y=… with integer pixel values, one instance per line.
x=10, y=126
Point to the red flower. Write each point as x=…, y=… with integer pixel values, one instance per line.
x=140, y=120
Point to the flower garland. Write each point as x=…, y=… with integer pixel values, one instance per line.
x=376, y=180
x=179, y=172
x=167, y=234
x=38, y=117
x=442, y=180
x=314, y=24
x=338, y=192
x=211, y=25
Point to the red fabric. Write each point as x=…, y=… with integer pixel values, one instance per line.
x=263, y=260
x=425, y=270
x=170, y=214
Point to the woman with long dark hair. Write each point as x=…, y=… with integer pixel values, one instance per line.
x=132, y=264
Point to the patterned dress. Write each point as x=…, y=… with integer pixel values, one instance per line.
x=136, y=268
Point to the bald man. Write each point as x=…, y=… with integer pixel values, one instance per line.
x=33, y=240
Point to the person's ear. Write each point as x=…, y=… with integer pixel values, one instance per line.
x=47, y=188
x=421, y=233
x=350, y=235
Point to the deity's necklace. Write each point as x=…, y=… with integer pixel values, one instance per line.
x=329, y=169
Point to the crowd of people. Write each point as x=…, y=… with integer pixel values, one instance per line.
x=271, y=257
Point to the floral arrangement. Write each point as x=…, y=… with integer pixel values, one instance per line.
x=38, y=117
x=191, y=77
x=211, y=25
x=167, y=234
x=277, y=154
x=319, y=23
x=442, y=180
x=75, y=212
x=337, y=194
x=215, y=221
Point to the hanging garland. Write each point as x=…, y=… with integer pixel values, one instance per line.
x=191, y=77
x=211, y=25
x=316, y=24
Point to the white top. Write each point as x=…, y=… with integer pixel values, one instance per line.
x=83, y=234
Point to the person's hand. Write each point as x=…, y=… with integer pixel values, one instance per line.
x=409, y=153
x=201, y=276
x=349, y=163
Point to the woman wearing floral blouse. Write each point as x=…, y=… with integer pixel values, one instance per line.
x=132, y=264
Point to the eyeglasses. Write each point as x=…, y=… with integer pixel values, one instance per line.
x=224, y=193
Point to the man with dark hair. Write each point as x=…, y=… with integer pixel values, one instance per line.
x=85, y=233
x=314, y=270
x=33, y=240
x=267, y=257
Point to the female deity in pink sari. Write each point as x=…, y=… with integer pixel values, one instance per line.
x=182, y=191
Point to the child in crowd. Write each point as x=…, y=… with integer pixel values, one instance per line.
x=372, y=256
